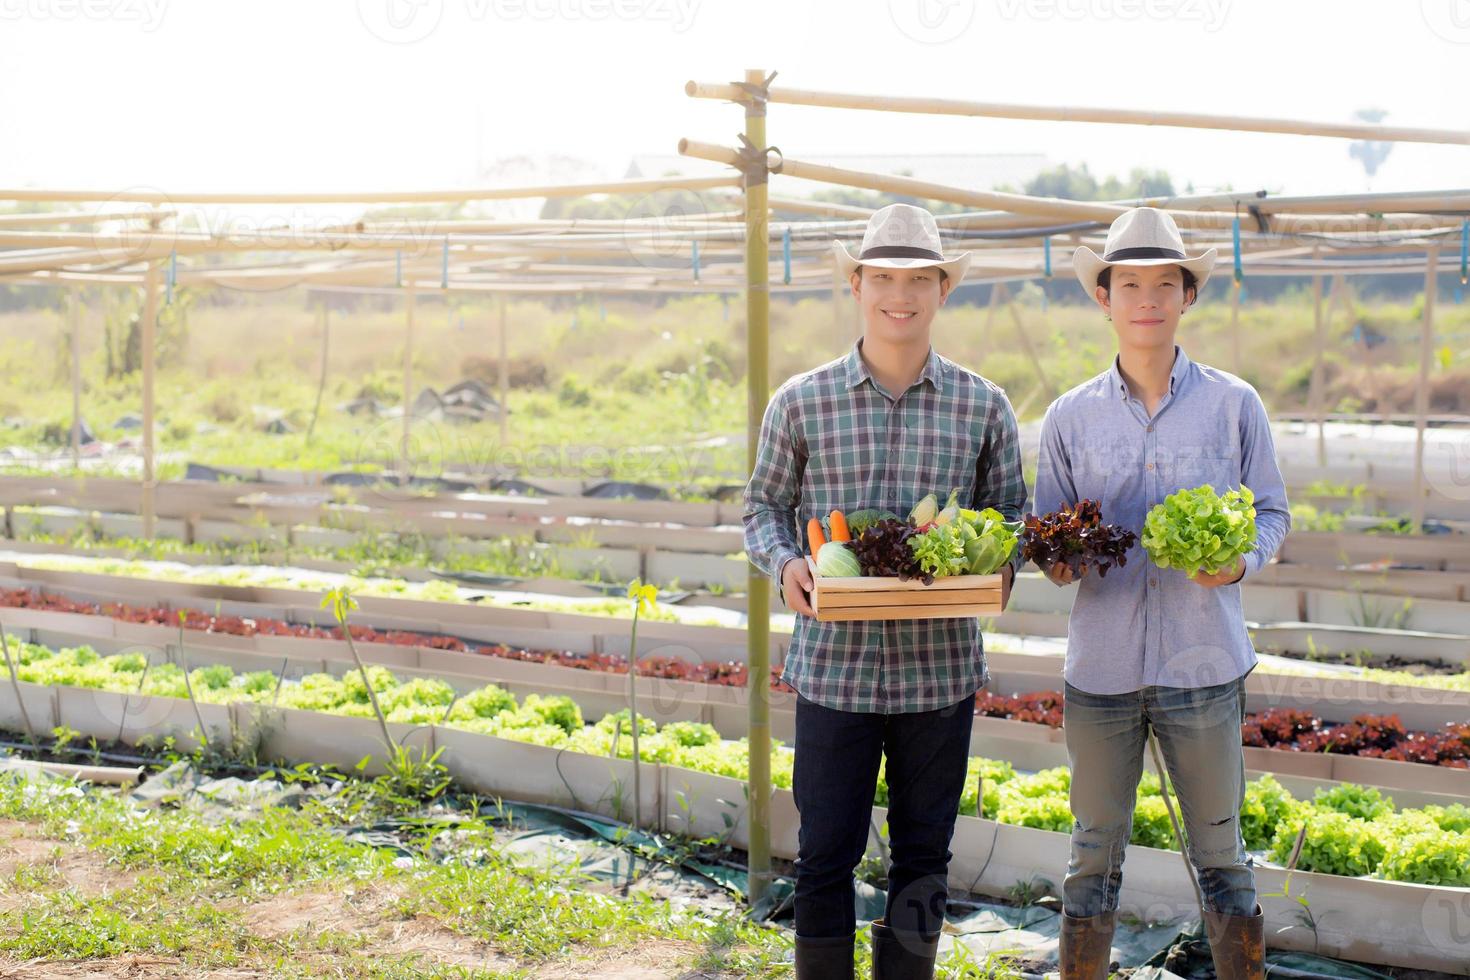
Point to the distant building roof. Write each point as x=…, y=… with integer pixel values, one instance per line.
x=972, y=171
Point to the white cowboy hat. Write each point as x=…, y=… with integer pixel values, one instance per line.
x=901, y=236
x=1141, y=236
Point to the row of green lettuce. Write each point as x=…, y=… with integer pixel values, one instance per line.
x=442, y=591
x=1351, y=830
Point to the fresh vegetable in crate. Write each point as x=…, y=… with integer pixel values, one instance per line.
x=836, y=560
x=940, y=550
x=1076, y=537
x=882, y=548
x=970, y=542
x=859, y=521
x=1201, y=531
x=927, y=512
x=993, y=543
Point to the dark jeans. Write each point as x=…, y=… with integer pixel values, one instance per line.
x=835, y=775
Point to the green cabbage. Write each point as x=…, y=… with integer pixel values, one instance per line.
x=836, y=560
x=990, y=542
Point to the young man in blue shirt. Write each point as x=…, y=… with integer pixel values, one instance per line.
x=1149, y=647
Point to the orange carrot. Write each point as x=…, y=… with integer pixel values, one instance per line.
x=814, y=535
x=839, y=526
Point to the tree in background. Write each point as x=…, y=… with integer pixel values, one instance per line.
x=122, y=330
x=1078, y=184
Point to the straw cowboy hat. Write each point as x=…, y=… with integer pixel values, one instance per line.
x=1141, y=236
x=901, y=236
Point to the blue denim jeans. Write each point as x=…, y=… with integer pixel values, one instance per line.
x=1198, y=730
x=834, y=774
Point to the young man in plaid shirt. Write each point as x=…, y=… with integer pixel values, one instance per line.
x=886, y=424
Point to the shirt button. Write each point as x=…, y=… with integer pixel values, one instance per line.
x=1153, y=583
x=1149, y=466
x=1149, y=429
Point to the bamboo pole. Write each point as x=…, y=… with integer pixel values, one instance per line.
x=406, y=439
x=1236, y=360
x=20, y=700
x=149, y=329
x=333, y=240
x=504, y=271
x=504, y=376
x=1387, y=202
x=44, y=218
x=1029, y=349
x=1315, y=394
x=321, y=384
x=1004, y=110
x=448, y=196
x=758, y=589
x=74, y=309
x=1334, y=302
x=799, y=206
x=997, y=293
x=1054, y=208
x=438, y=228
x=838, y=306
x=356, y=252
x=1421, y=393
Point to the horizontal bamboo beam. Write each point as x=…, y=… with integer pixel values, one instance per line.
x=1045, y=207
x=374, y=197
x=1132, y=117
x=43, y=218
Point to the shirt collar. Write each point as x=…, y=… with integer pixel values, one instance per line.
x=857, y=369
x=1177, y=374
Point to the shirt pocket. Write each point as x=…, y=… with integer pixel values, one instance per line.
x=1108, y=469
x=940, y=455
x=1190, y=468
x=844, y=452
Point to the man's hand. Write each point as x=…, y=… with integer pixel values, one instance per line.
x=796, y=586
x=1061, y=573
x=1228, y=575
x=1007, y=576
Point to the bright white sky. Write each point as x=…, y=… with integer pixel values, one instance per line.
x=306, y=94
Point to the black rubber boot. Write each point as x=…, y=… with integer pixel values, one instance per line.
x=902, y=956
x=825, y=958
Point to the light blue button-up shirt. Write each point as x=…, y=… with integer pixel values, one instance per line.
x=1141, y=625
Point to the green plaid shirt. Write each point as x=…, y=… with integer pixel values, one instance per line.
x=833, y=439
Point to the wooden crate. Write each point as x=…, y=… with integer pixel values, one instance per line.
x=885, y=597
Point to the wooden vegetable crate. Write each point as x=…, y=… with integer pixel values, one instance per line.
x=848, y=598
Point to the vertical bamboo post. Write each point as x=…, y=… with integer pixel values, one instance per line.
x=150, y=326
x=758, y=620
x=1029, y=348
x=839, y=291
x=403, y=451
x=1236, y=363
x=1315, y=395
x=321, y=384
x=1421, y=393
x=997, y=293
x=504, y=379
x=74, y=309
